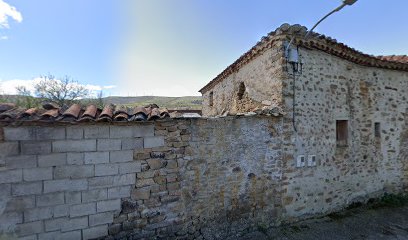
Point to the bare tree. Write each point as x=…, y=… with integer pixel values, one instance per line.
x=62, y=91
x=26, y=100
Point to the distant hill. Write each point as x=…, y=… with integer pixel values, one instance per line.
x=189, y=102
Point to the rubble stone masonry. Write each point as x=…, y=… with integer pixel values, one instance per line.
x=187, y=178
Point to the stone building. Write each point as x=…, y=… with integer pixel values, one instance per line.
x=346, y=114
x=293, y=140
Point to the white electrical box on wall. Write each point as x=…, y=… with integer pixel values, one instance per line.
x=311, y=161
x=300, y=161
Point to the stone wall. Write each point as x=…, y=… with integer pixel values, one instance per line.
x=262, y=79
x=186, y=178
x=331, y=89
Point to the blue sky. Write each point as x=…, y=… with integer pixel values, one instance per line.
x=173, y=48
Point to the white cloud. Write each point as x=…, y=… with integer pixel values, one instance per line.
x=6, y=12
x=9, y=86
x=3, y=37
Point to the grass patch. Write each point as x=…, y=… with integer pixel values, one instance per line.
x=389, y=200
x=262, y=228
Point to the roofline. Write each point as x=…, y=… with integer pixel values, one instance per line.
x=314, y=41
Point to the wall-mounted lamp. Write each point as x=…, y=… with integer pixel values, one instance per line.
x=292, y=54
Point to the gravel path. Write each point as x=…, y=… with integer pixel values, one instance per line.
x=376, y=224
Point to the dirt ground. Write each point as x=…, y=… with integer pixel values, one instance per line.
x=360, y=223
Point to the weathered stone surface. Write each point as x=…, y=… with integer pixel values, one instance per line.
x=96, y=157
x=50, y=160
x=20, y=189
x=35, y=147
x=109, y=144
x=65, y=185
x=152, y=142
x=37, y=174
x=121, y=156
x=96, y=132
x=74, y=146
x=109, y=205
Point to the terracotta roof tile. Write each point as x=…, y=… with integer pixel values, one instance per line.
x=77, y=113
x=90, y=114
x=6, y=106
x=315, y=41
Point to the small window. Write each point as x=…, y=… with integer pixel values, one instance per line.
x=342, y=133
x=211, y=99
x=377, y=130
x=241, y=91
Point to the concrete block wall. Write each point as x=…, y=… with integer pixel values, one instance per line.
x=188, y=178
x=329, y=89
x=67, y=182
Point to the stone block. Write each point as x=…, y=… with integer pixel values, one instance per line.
x=18, y=133
x=96, y=132
x=51, y=160
x=29, y=228
x=121, y=156
x=74, y=224
x=121, y=132
x=73, y=197
x=75, y=158
x=130, y=167
x=11, y=176
x=30, y=237
x=9, y=149
x=119, y=192
x=54, y=224
x=50, y=199
x=140, y=194
x=95, y=232
x=37, y=174
x=106, y=169
x=145, y=130
x=108, y=205
x=82, y=209
x=109, y=144
x=74, y=146
x=49, y=235
x=100, y=218
x=60, y=236
x=155, y=163
x=94, y=195
x=100, y=182
x=61, y=211
x=8, y=220
x=96, y=157
x=70, y=235
x=75, y=132
x=21, y=189
x=35, y=147
x=145, y=182
x=126, y=179
x=33, y=133
x=74, y=172
x=65, y=185
x=132, y=144
x=22, y=161
x=152, y=142
x=37, y=214
x=19, y=204
x=49, y=133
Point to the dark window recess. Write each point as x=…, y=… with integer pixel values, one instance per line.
x=342, y=133
x=377, y=129
x=211, y=99
x=241, y=90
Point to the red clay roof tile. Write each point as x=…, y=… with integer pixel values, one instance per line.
x=75, y=113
